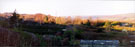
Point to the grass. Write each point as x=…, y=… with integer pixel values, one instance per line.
x=112, y=35
x=26, y=39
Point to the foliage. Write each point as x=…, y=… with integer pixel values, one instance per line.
x=78, y=34
x=46, y=19
x=45, y=29
x=68, y=33
x=77, y=20
x=13, y=20
x=57, y=41
x=60, y=20
x=41, y=40
x=87, y=23
x=25, y=39
x=121, y=28
x=107, y=26
x=111, y=35
x=39, y=18
x=4, y=24
x=76, y=42
x=51, y=19
x=68, y=20
x=114, y=23
x=100, y=24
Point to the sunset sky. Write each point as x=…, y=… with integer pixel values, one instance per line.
x=68, y=7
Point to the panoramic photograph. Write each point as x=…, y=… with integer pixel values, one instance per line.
x=67, y=23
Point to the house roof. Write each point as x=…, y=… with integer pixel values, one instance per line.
x=100, y=42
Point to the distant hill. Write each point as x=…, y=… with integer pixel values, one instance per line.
x=130, y=17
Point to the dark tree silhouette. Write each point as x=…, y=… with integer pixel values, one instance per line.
x=13, y=20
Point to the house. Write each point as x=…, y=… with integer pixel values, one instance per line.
x=126, y=24
x=99, y=43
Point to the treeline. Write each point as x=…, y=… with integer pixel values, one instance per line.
x=41, y=18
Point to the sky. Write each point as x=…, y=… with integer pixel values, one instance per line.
x=68, y=7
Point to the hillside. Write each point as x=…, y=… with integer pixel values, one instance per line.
x=130, y=17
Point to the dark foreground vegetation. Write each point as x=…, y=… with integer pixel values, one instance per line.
x=58, y=31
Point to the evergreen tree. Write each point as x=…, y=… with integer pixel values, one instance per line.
x=14, y=20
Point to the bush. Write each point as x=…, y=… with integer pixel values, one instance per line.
x=41, y=40
x=68, y=33
x=78, y=34
x=4, y=24
x=26, y=39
